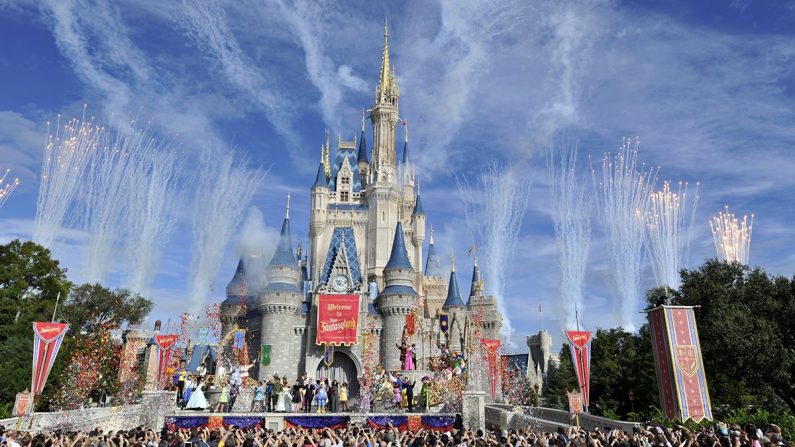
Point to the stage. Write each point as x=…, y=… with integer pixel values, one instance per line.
x=280, y=421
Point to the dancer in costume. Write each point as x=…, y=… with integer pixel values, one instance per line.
x=408, y=359
x=197, y=400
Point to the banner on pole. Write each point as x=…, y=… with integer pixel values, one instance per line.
x=203, y=335
x=411, y=325
x=328, y=355
x=680, y=369
x=444, y=323
x=337, y=319
x=265, y=355
x=164, y=344
x=22, y=405
x=575, y=403
x=47, y=338
x=492, y=348
x=580, y=344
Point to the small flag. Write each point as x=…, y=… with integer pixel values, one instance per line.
x=328, y=355
x=444, y=321
x=472, y=249
x=265, y=355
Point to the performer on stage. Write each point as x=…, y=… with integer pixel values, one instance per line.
x=408, y=359
x=197, y=400
x=181, y=376
x=322, y=398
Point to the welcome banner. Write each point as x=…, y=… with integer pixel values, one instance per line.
x=164, y=344
x=680, y=370
x=580, y=344
x=337, y=319
x=492, y=358
x=47, y=338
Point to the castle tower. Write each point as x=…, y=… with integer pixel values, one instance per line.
x=417, y=237
x=541, y=362
x=385, y=117
x=280, y=304
x=233, y=308
x=485, y=318
x=455, y=308
x=318, y=215
x=396, y=300
x=362, y=158
x=433, y=283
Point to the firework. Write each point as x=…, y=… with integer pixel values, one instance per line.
x=732, y=237
x=66, y=155
x=7, y=188
x=669, y=225
x=495, y=224
x=572, y=219
x=223, y=194
x=623, y=195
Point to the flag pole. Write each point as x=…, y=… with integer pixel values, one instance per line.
x=57, y=299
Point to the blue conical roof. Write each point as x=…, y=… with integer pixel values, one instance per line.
x=284, y=251
x=320, y=179
x=418, y=211
x=237, y=286
x=361, y=157
x=405, y=152
x=453, y=295
x=398, y=259
x=432, y=265
x=476, y=280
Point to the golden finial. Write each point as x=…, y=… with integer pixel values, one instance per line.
x=384, y=81
x=287, y=211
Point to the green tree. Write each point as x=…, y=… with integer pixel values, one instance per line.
x=30, y=282
x=92, y=307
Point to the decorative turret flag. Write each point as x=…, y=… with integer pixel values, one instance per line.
x=680, y=369
x=444, y=322
x=492, y=358
x=328, y=355
x=164, y=344
x=580, y=343
x=47, y=338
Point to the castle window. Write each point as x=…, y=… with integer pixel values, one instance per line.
x=345, y=181
x=344, y=196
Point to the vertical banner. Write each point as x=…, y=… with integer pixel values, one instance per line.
x=328, y=355
x=580, y=344
x=493, y=360
x=164, y=344
x=575, y=403
x=203, y=334
x=337, y=319
x=680, y=369
x=444, y=323
x=265, y=355
x=239, y=339
x=47, y=338
x=410, y=325
x=22, y=405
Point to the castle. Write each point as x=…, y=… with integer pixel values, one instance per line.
x=367, y=235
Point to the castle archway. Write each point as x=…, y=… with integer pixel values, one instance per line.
x=343, y=370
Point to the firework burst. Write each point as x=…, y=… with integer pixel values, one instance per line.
x=732, y=236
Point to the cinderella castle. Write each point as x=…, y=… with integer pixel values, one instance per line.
x=367, y=237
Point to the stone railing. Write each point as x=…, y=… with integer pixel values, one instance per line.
x=549, y=419
x=150, y=412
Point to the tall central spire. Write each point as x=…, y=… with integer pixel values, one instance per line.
x=387, y=87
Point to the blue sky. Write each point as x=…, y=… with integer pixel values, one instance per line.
x=709, y=87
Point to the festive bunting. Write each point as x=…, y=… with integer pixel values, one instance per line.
x=337, y=319
x=381, y=422
x=438, y=423
x=492, y=358
x=580, y=345
x=332, y=422
x=47, y=338
x=680, y=370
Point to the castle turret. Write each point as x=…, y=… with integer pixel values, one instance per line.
x=418, y=237
x=396, y=300
x=281, y=303
x=455, y=308
x=362, y=158
x=384, y=116
x=233, y=308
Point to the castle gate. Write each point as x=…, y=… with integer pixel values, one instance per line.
x=343, y=369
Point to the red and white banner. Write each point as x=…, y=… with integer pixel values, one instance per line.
x=575, y=403
x=23, y=405
x=492, y=348
x=337, y=319
x=680, y=369
x=580, y=344
x=47, y=338
x=164, y=344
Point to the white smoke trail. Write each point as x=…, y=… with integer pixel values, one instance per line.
x=66, y=155
x=572, y=220
x=623, y=196
x=223, y=193
x=7, y=188
x=494, y=212
x=153, y=215
x=669, y=225
x=256, y=246
x=732, y=237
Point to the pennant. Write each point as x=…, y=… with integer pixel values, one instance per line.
x=164, y=344
x=47, y=338
x=239, y=340
x=328, y=355
x=580, y=345
x=22, y=405
x=444, y=322
x=575, y=403
x=265, y=355
x=681, y=381
x=492, y=358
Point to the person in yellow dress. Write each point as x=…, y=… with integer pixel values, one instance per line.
x=344, y=397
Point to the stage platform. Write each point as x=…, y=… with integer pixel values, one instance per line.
x=280, y=421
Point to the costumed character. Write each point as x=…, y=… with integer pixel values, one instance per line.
x=197, y=400
x=322, y=398
x=408, y=359
x=425, y=392
x=189, y=385
x=181, y=376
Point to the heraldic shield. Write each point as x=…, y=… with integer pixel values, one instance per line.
x=687, y=359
